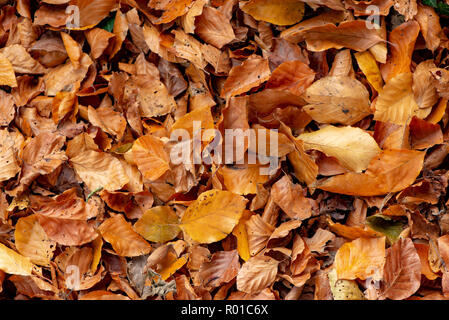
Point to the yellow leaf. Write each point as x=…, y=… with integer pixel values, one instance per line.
x=368, y=65
x=213, y=215
x=159, y=224
x=97, y=245
x=7, y=75
x=279, y=12
x=32, y=241
x=242, y=236
x=13, y=263
x=361, y=258
x=344, y=289
x=8, y=158
x=396, y=102
x=353, y=147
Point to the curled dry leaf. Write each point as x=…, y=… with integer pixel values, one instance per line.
x=402, y=40
x=213, y=27
x=349, y=34
x=295, y=76
x=290, y=198
x=222, y=268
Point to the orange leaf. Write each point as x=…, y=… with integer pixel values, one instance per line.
x=125, y=241
x=391, y=171
x=361, y=258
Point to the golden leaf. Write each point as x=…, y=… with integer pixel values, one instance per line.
x=13, y=263
x=279, y=12
x=159, y=224
x=213, y=215
x=361, y=258
x=367, y=63
x=241, y=234
x=7, y=75
x=396, y=102
x=353, y=147
x=32, y=241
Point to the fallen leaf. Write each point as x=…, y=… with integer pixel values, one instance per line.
x=279, y=12
x=212, y=216
x=251, y=73
x=391, y=171
x=402, y=272
x=256, y=274
x=362, y=258
x=337, y=100
x=120, y=234
x=159, y=224
x=213, y=27
x=353, y=147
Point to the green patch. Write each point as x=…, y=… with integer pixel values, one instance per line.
x=387, y=226
x=123, y=148
x=107, y=23
x=440, y=6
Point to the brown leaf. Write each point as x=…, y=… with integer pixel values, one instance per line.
x=349, y=34
x=391, y=171
x=213, y=27
x=251, y=73
x=291, y=199
x=125, y=241
x=256, y=274
x=222, y=268
x=402, y=272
